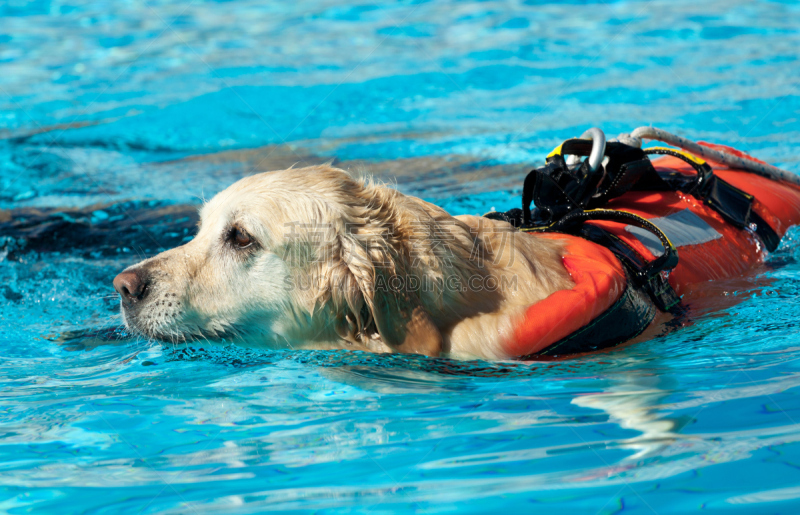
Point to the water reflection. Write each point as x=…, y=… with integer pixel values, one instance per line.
x=632, y=401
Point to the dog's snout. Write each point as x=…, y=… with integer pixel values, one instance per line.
x=131, y=285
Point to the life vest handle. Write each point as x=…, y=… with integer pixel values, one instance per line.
x=719, y=156
x=703, y=169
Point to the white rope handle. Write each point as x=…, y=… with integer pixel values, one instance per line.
x=772, y=172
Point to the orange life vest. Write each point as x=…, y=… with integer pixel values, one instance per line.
x=709, y=247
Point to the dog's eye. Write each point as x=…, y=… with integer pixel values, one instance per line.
x=240, y=238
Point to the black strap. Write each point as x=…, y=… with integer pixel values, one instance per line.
x=565, y=197
x=650, y=276
x=733, y=204
x=556, y=189
x=656, y=285
x=704, y=171
x=664, y=263
x=764, y=231
x=625, y=319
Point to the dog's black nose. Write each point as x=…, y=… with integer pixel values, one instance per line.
x=131, y=285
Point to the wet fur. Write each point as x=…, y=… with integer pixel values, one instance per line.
x=327, y=246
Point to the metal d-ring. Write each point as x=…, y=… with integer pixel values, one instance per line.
x=598, y=147
x=598, y=139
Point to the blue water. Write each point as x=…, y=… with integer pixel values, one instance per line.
x=118, y=118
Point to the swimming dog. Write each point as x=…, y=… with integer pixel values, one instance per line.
x=314, y=258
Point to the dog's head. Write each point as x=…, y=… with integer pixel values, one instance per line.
x=291, y=258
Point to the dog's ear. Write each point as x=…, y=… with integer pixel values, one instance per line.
x=377, y=293
x=400, y=319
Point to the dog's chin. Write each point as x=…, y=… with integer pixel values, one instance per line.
x=175, y=332
x=176, y=336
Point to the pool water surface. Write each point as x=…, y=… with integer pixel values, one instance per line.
x=117, y=119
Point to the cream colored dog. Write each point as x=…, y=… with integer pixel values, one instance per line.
x=313, y=258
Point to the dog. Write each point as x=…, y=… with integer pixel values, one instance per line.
x=313, y=258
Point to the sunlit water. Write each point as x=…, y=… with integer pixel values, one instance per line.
x=118, y=118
